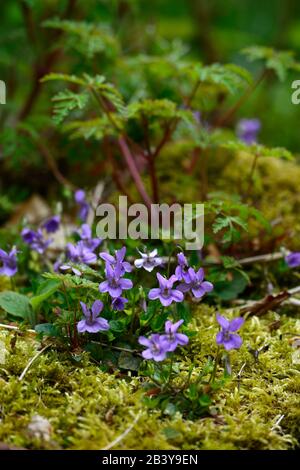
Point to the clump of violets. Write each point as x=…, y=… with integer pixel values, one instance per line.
x=227, y=336
x=248, y=129
x=194, y=282
x=115, y=283
x=80, y=253
x=157, y=346
x=51, y=225
x=9, y=262
x=165, y=292
x=293, y=259
x=117, y=260
x=84, y=207
x=148, y=261
x=36, y=240
x=92, y=322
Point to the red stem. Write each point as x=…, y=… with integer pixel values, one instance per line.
x=153, y=176
x=115, y=174
x=221, y=121
x=194, y=160
x=133, y=170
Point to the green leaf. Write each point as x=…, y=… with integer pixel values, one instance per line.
x=146, y=317
x=97, y=128
x=238, y=221
x=278, y=61
x=192, y=391
x=157, y=109
x=259, y=150
x=205, y=400
x=106, y=90
x=47, y=329
x=117, y=325
x=66, y=101
x=46, y=289
x=102, y=91
x=87, y=38
x=16, y=304
x=183, y=311
x=229, y=290
x=158, y=322
x=64, y=77
x=72, y=281
x=220, y=223
x=227, y=77
x=171, y=433
x=129, y=361
x=169, y=409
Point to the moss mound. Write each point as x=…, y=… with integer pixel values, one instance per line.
x=90, y=409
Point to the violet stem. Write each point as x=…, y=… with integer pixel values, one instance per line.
x=213, y=375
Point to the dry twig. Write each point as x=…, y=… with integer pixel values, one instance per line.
x=124, y=434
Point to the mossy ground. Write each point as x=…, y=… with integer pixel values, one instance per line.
x=89, y=409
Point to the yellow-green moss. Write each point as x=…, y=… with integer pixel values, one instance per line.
x=88, y=408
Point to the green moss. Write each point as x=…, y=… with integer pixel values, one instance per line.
x=275, y=191
x=88, y=408
x=274, y=187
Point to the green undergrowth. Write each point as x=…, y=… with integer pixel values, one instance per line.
x=88, y=408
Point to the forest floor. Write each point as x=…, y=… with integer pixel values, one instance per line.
x=66, y=402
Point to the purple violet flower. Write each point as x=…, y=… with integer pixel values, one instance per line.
x=9, y=262
x=148, y=261
x=172, y=339
x=293, y=259
x=196, y=283
x=57, y=264
x=79, y=253
x=84, y=207
x=85, y=234
x=165, y=292
x=114, y=283
x=226, y=336
x=92, y=322
x=28, y=235
x=51, y=225
x=35, y=240
x=181, y=271
x=117, y=260
x=118, y=303
x=156, y=348
x=247, y=130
